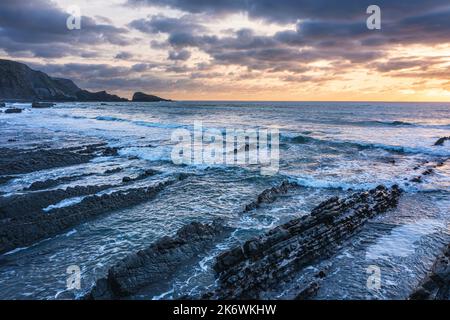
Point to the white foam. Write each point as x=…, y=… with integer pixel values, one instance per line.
x=163, y=295
x=15, y=250
x=326, y=184
x=64, y=203
x=149, y=154
x=71, y=232
x=401, y=242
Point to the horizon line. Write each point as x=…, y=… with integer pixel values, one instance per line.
x=356, y=101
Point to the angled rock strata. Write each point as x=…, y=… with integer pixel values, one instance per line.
x=20, y=228
x=159, y=261
x=262, y=263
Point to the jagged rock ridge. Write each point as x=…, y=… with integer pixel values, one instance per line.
x=158, y=262
x=264, y=262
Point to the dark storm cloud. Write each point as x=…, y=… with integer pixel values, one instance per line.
x=329, y=30
x=38, y=28
x=195, y=6
x=323, y=22
x=288, y=11
x=272, y=53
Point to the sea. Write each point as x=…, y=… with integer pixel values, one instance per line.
x=327, y=148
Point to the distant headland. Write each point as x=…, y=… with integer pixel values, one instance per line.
x=18, y=82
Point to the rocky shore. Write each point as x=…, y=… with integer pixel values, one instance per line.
x=14, y=161
x=265, y=262
x=260, y=264
x=28, y=216
x=24, y=225
x=157, y=263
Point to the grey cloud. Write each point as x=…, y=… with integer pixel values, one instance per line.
x=288, y=11
x=39, y=27
x=182, y=55
x=123, y=55
x=163, y=24
x=141, y=67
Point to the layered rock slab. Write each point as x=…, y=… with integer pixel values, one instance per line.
x=159, y=261
x=264, y=262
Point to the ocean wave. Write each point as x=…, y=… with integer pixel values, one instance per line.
x=161, y=153
x=432, y=151
x=109, y=118
x=300, y=139
x=310, y=182
x=403, y=182
x=382, y=123
x=141, y=122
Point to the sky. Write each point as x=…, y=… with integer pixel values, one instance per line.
x=275, y=50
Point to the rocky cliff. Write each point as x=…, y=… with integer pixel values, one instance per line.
x=19, y=82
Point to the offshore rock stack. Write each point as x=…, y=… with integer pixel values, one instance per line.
x=440, y=141
x=159, y=261
x=263, y=263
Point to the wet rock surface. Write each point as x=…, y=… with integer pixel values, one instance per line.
x=15, y=161
x=436, y=285
x=21, y=206
x=270, y=195
x=159, y=261
x=264, y=262
x=145, y=174
x=4, y=179
x=22, y=225
x=42, y=105
x=13, y=110
x=428, y=170
x=49, y=183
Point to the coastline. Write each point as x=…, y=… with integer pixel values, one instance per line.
x=91, y=178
